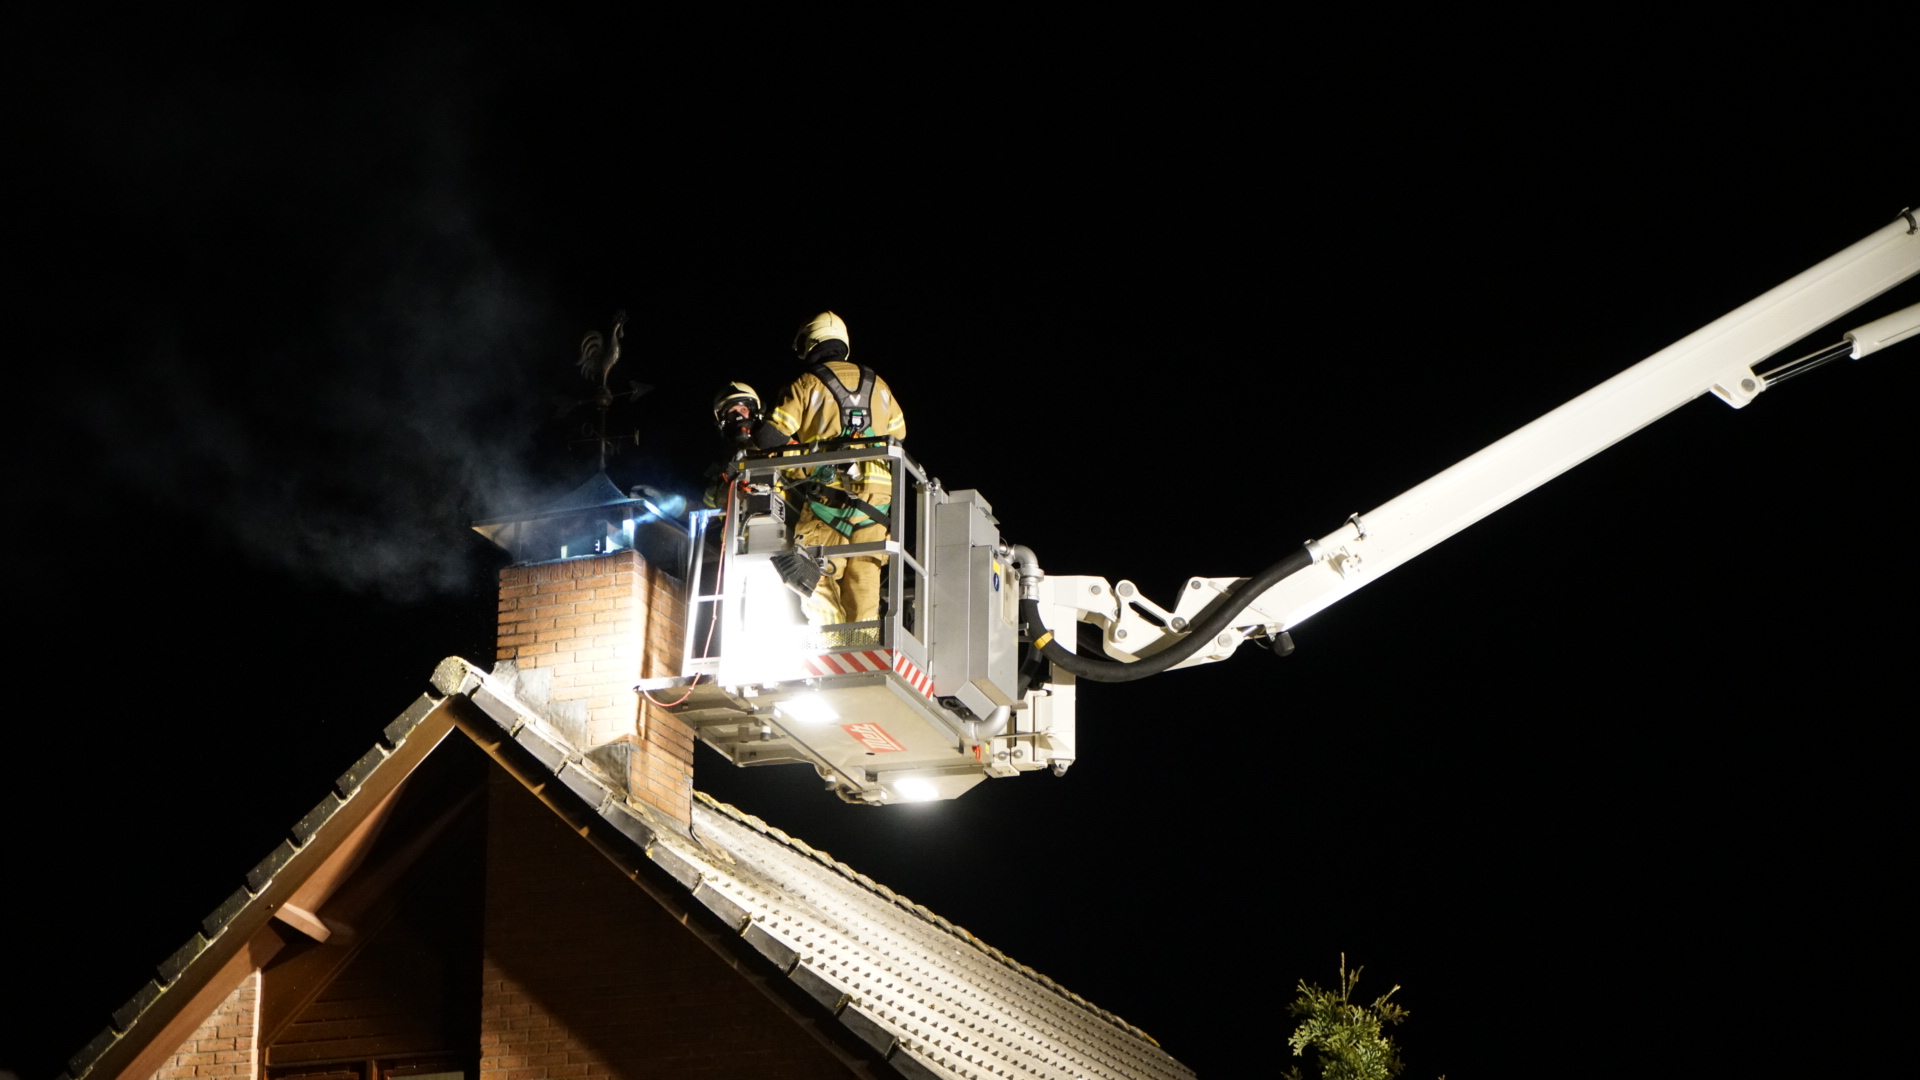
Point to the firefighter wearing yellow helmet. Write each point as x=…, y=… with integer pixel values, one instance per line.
x=837, y=398
x=736, y=412
x=737, y=416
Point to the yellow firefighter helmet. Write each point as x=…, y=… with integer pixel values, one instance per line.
x=813, y=340
x=731, y=393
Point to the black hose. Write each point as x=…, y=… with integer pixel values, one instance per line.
x=1199, y=632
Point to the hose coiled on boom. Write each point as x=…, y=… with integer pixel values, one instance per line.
x=1200, y=632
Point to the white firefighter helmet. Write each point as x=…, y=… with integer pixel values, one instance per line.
x=824, y=327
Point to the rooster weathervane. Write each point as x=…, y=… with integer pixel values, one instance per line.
x=597, y=356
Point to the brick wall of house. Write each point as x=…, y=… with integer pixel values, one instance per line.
x=601, y=624
x=224, y=1045
x=585, y=975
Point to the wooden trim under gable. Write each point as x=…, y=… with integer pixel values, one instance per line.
x=361, y=909
x=254, y=937
x=194, y=1010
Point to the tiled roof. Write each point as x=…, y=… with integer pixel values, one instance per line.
x=928, y=996
x=941, y=992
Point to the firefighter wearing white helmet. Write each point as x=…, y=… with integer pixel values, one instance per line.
x=837, y=398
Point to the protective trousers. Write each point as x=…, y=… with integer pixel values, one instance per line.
x=850, y=589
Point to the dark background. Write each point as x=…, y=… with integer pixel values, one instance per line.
x=1611, y=779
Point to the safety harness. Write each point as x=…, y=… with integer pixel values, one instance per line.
x=856, y=406
x=837, y=506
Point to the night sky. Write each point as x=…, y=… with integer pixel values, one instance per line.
x=1611, y=779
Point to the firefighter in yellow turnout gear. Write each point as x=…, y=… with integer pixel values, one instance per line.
x=836, y=399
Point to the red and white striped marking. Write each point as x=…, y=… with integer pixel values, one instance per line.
x=911, y=672
x=849, y=663
x=864, y=661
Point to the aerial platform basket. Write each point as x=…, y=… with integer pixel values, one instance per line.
x=922, y=703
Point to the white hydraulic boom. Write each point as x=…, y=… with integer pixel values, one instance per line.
x=1718, y=358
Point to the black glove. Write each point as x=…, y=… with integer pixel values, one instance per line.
x=767, y=437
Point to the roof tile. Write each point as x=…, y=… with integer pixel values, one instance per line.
x=351, y=780
x=261, y=874
x=674, y=862
x=222, y=915
x=499, y=706
x=817, y=986
x=591, y=791
x=721, y=905
x=172, y=966
x=309, y=824
x=83, y=1061
x=870, y=1030
x=549, y=754
x=396, y=732
x=771, y=947
x=125, y=1015
x=629, y=823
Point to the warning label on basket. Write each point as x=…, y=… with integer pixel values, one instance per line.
x=873, y=737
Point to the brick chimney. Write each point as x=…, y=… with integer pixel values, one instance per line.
x=579, y=633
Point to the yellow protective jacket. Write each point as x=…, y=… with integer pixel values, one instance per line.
x=807, y=412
